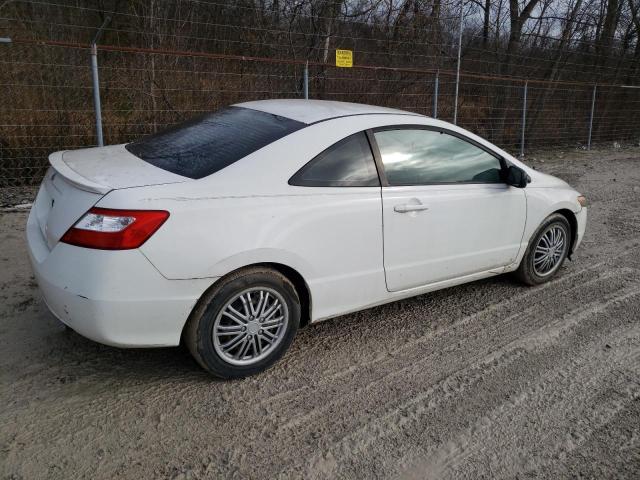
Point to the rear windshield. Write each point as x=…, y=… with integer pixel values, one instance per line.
x=211, y=142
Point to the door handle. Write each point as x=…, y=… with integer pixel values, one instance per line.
x=410, y=207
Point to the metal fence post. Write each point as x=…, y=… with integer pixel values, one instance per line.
x=96, y=93
x=455, y=105
x=96, y=81
x=306, y=81
x=524, y=118
x=436, y=85
x=593, y=108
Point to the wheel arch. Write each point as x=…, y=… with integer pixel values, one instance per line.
x=298, y=281
x=300, y=284
x=573, y=223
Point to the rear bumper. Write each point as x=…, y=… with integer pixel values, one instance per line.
x=113, y=297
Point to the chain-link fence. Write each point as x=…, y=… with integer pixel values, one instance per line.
x=47, y=92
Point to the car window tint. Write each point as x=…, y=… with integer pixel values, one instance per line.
x=348, y=163
x=418, y=156
x=208, y=143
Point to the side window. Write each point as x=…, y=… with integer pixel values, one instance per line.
x=348, y=163
x=418, y=156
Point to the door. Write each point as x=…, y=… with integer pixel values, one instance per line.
x=446, y=211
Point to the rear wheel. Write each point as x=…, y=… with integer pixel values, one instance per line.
x=244, y=324
x=546, y=252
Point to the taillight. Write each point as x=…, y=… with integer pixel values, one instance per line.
x=108, y=229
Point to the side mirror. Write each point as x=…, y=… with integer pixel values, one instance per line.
x=516, y=177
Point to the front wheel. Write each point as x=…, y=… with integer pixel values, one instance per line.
x=546, y=252
x=244, y=324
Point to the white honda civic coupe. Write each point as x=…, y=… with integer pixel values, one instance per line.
x=236, y=228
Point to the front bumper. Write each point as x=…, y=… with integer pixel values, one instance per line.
x=581, y=219
x=113, y=297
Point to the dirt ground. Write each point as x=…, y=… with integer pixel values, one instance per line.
x=487, y=380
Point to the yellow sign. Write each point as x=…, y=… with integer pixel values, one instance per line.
x=344, y=58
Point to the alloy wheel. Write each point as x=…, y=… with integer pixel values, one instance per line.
x=250, y=326
x=550, y=250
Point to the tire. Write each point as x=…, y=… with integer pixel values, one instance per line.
x=531, y=274
x=223, y=316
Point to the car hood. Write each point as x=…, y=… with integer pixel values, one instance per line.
x=544, y=180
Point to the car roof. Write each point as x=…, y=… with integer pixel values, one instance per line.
x=313, y=111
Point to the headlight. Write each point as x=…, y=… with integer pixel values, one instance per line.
x=582, y=200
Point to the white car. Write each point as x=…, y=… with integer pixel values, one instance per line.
x=234, y=229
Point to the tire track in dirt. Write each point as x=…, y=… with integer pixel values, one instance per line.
x=404, y=364
x=457, y=382
x=615, y=446
x=353, y=371
x=488, y=434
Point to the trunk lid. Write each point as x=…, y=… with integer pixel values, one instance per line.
x=112, y=168
x=78, y=179
x=60, y=203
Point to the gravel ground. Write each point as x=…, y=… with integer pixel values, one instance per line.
x=15, y=196
x=490, y=379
